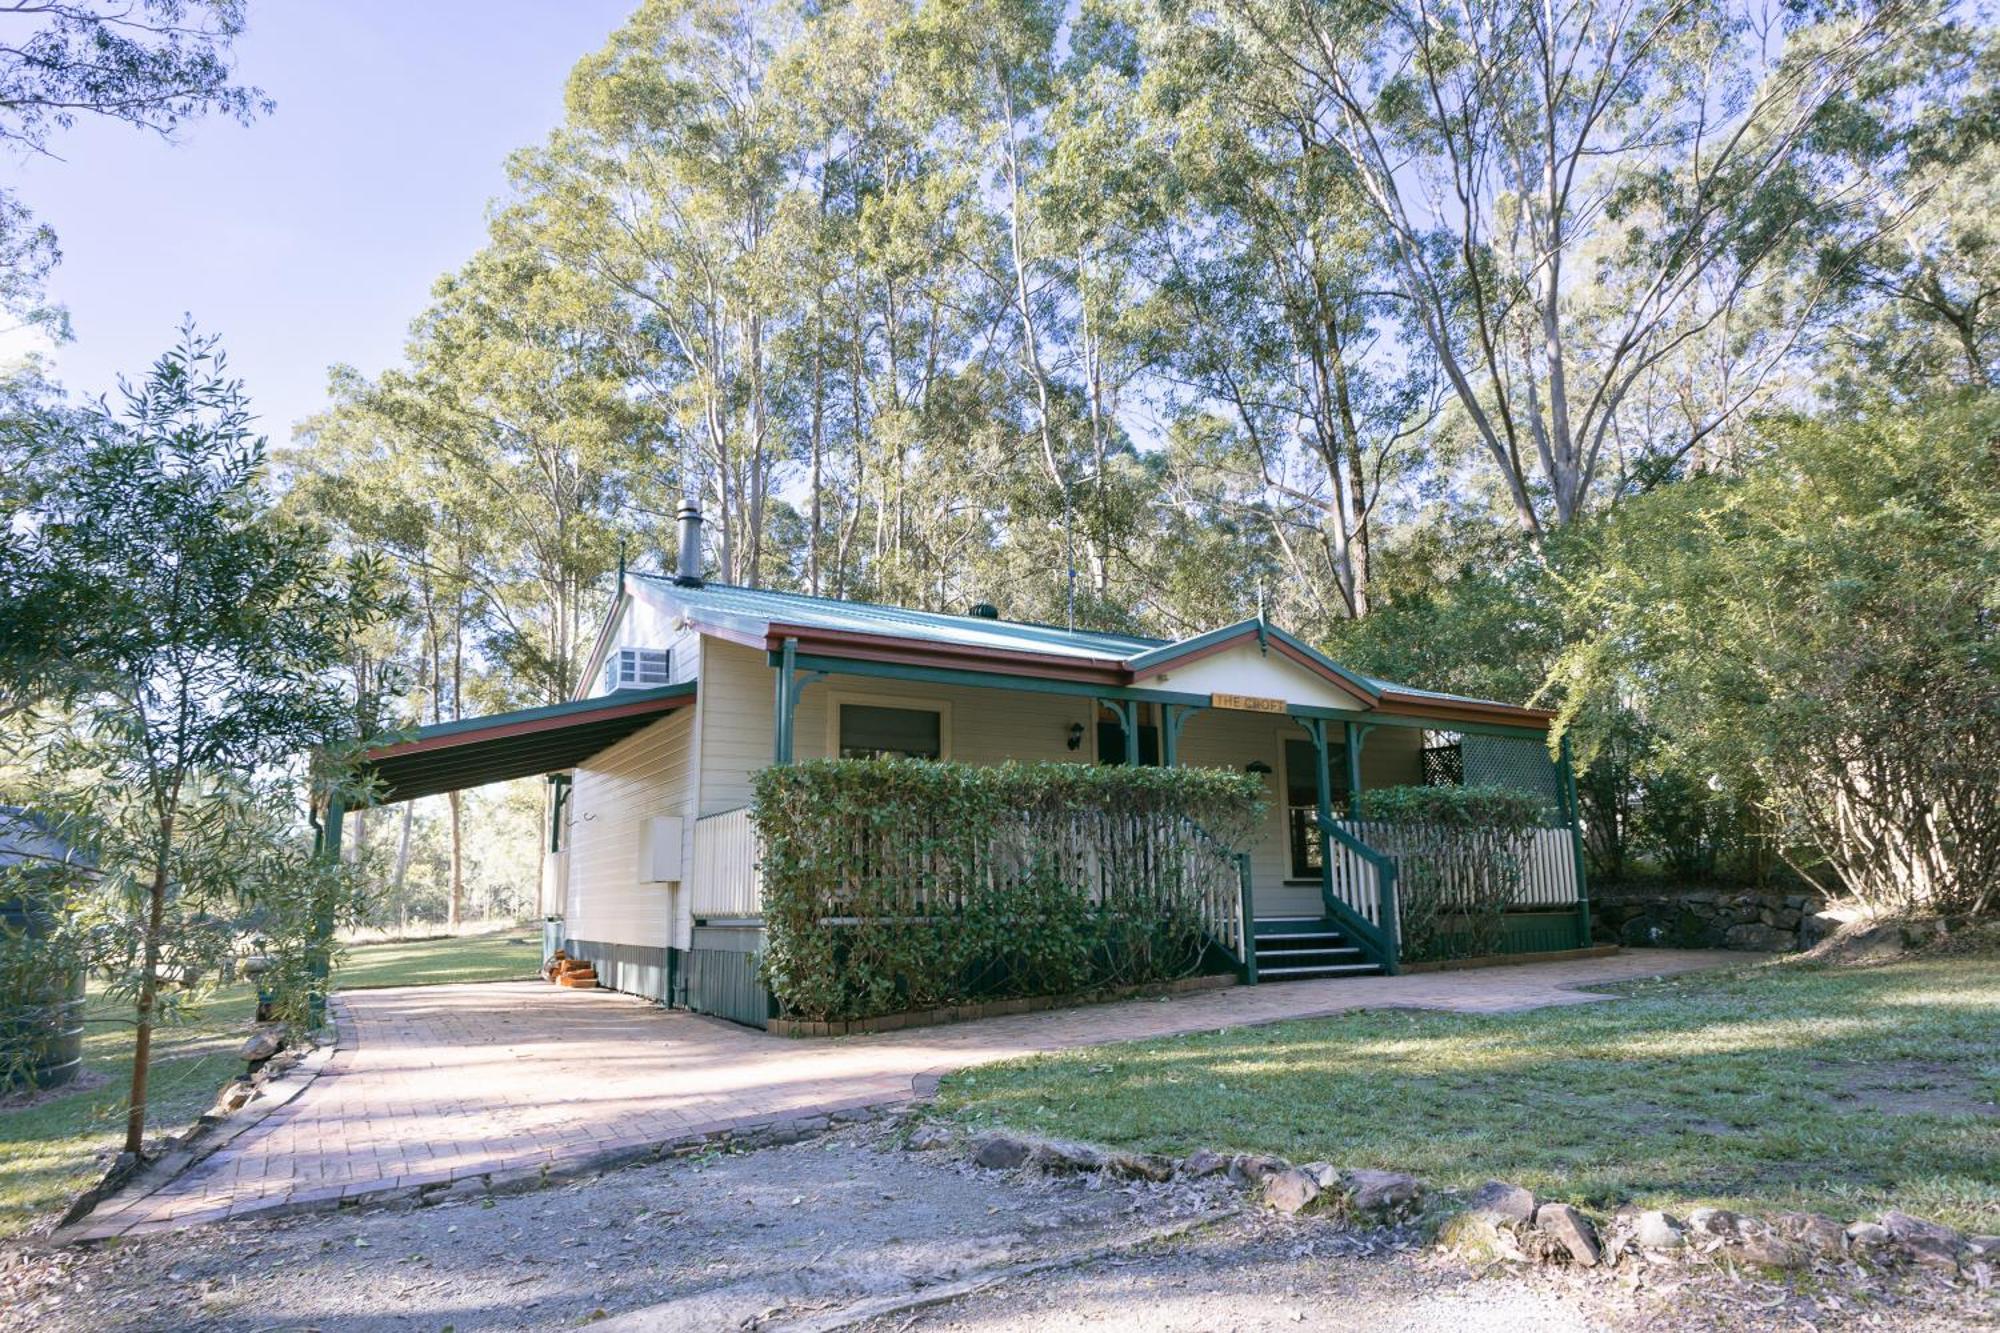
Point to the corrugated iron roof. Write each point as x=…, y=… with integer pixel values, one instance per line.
x=752, y=610
x=452, y=756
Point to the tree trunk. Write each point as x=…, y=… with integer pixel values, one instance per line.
x=149, y=992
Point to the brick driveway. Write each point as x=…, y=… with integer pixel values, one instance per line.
x=435, y=1084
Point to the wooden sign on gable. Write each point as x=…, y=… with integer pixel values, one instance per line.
x=1247, y=703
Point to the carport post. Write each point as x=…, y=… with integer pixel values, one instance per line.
x=319, y=955
x=787, y=704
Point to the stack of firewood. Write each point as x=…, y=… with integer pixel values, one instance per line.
x=573, y=972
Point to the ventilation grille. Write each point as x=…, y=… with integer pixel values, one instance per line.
x=638, y=669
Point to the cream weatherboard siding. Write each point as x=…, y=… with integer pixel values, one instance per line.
x=650, y=773
x=982, y=726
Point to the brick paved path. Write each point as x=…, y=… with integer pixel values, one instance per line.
x=442, y=1083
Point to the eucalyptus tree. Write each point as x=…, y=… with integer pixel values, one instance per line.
x=1920, y=265
x=895, y=234
x=989, y=70
x=1270, y=301
x=1575, y=196
x=661, y=189
x=516, y=391
x=362, y=471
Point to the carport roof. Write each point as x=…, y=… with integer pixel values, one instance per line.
x=451, y=756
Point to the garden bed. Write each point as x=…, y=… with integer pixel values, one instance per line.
x=965, y=1013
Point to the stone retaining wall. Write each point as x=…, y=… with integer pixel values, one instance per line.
x=1771, y=921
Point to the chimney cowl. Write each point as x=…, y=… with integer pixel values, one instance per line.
x=687, y=561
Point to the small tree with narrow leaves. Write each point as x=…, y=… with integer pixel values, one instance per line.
x=183, y=662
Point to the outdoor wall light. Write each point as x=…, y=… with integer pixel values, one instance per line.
x=1257, y=766
x=1076, y=735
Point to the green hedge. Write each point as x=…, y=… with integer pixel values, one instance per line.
x=902, y=884
x=1459, y=856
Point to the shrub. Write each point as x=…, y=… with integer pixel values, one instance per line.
x=1459, y=855
x=1821, y=628
x=903, y=884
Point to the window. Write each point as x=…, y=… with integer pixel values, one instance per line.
x=1302, y=802
x=871, y=731
x=638, y=668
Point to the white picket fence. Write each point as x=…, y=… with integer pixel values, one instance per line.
x=726, y=882
x=1092, y=851
x=1548, y=868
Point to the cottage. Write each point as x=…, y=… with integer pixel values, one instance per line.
x=692, y=687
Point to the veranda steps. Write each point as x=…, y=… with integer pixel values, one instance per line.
x=1306, y=948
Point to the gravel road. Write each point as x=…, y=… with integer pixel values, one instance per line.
x=850, y=1231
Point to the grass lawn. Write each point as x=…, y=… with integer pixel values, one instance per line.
x=1768, y=1087
x=514, y=954
x=54, y=1145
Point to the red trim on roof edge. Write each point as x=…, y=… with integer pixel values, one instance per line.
x=583, y=717
x=1004, y=661
x=1106, y=671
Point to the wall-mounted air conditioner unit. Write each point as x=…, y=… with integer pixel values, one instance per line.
x=659, y=849
x=638, y=668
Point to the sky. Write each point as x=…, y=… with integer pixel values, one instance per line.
x=311, y=236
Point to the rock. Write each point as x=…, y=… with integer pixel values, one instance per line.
x=1057, y=1158
x=1816, y=926
x=1570, y=1229
x=1382, y=1195
x=1139, y=1166
x=1867, y=1235
x=1713, y=1222
x=1249, y=1168
x=260, y=1046
x=1929, y=1244
x=1764, y=1246
x=234, y=1097
x=999, y=1152
x=1819, y=1234
x=1761, y=938
x=926, y=1138
x=1479, y=1236
x=1641, y=933
x=1292, y=1191
x=1983, y=1245
x=1655, y=1230
x=1508, y=1202
x=1202, y=1162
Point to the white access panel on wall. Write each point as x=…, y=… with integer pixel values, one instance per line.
x=660, y=849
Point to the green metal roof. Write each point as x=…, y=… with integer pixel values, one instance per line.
x=753, y=609
x=526, y=743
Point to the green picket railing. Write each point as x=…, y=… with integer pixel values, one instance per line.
x=1380, y=942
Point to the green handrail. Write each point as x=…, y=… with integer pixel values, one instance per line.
x=1381, y=943
x=1248, y=933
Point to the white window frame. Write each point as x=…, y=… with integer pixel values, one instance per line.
x=836, y=699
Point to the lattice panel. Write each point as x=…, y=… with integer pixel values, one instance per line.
x=1519, y=762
